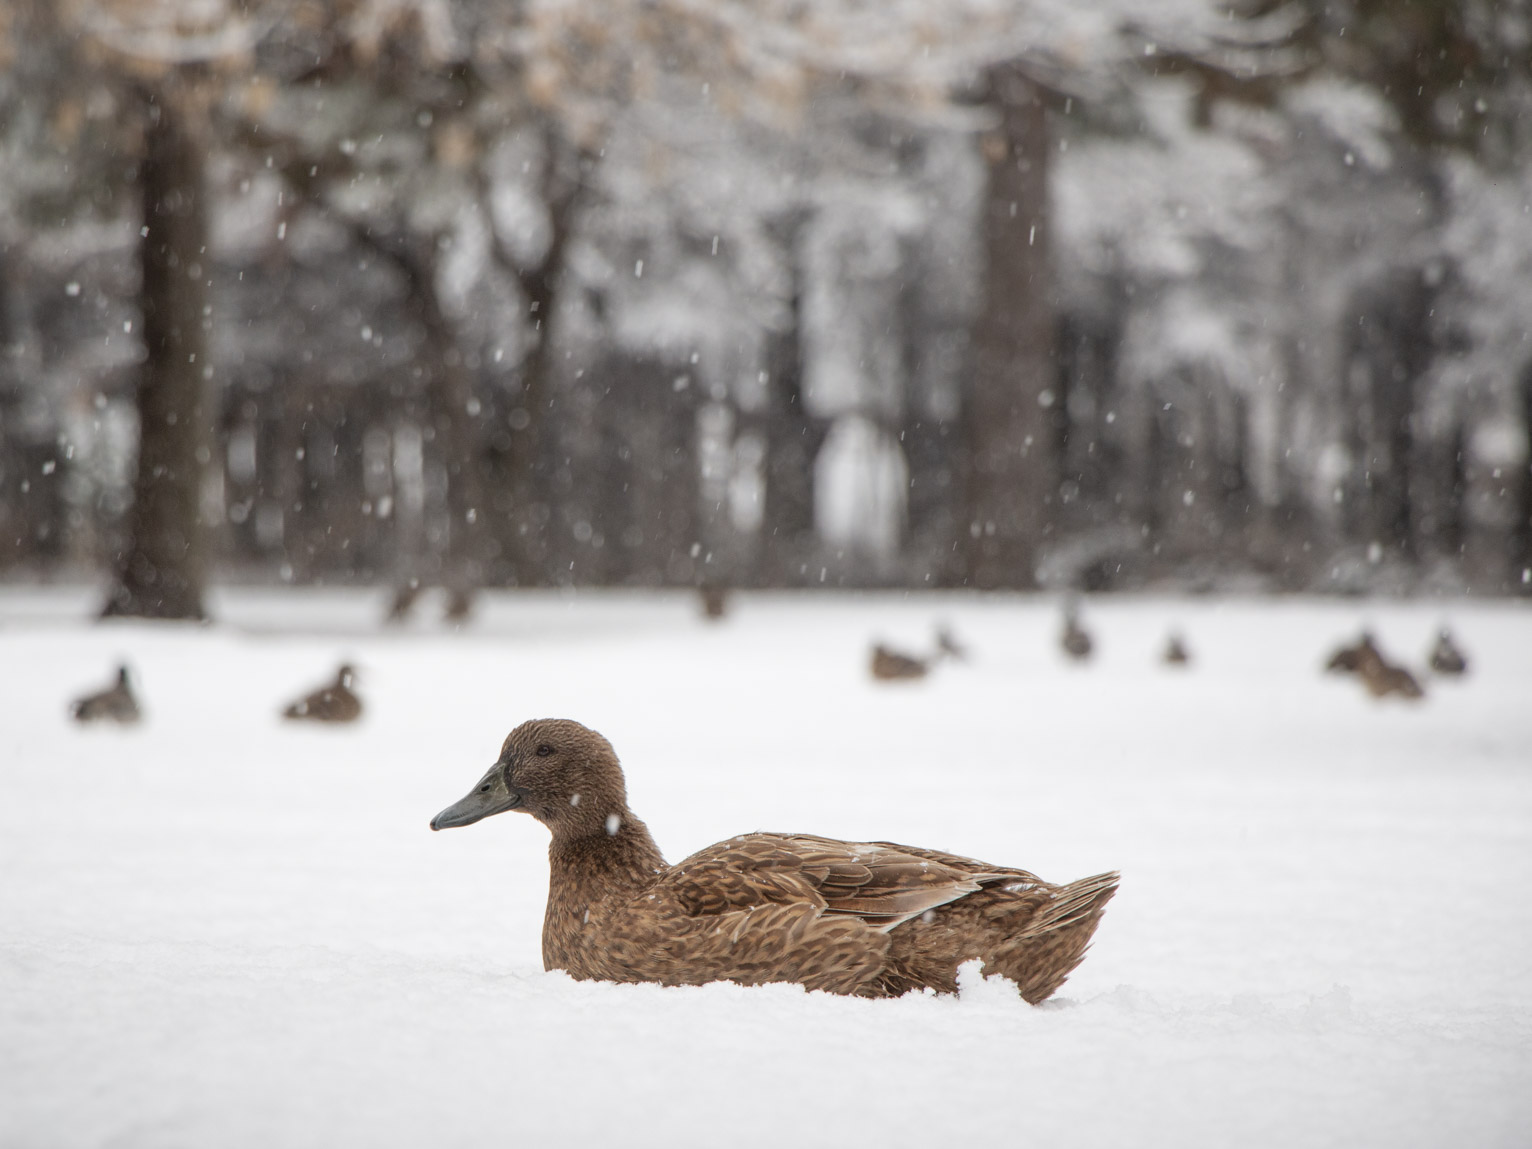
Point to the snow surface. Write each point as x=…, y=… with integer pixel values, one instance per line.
x=222, y=930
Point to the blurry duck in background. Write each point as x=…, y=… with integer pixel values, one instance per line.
x=891, y=666
x=1379, y=675
x=873, y=919
x=715, y=601
x=948, y=646
x=336, y=702
x=114, y=704
x=459, y=605
x=1075, y=641
x=406, y=594
x=1349, y=659
x=1446, y=658
x=1383, y=678
x=1176, y=653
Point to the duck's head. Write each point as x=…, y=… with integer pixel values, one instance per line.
x=345, y=676
x=563, y=774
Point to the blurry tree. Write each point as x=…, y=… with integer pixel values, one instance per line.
x=149, y=72
x=343, y=102
x=1439, y=433
x=406, y=121
x=646, y=173
x=904, y=67
x=1013, y=466
x=1458, y=72
x=457, y=140
x=161, y=575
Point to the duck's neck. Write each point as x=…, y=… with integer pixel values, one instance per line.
x=619, y=856
x=589, y=873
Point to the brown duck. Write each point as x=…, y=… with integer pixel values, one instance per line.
x=114, y=704
x=1382, y=678
x=889, y=665
x=715, y=601
x=1176, y=653
x=406, y=594
x=1349, y=659
x=459, y=606
x=1446, y=658
x=873, y=919
x=334, y=703
x=1075, y=641
x=948, y=646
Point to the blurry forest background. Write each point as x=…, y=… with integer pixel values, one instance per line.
x=989, y=293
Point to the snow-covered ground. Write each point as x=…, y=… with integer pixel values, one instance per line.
x=217, y=929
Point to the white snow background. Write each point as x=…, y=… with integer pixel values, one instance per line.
x=221, y=930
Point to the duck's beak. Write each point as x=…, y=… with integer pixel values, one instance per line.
x=493, y=795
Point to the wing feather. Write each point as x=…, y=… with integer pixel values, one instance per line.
x=882, y=883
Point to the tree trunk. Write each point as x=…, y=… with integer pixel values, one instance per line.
x=793, y=439
x=564, y=183
x=453, y=411
x=161, y=570
x=1011, y=469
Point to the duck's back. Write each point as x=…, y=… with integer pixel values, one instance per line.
x=890, y=665
x=880, y=883
x=1446, y=658
x=115, y=704
x=745, y=910
x=329, y=704
x=871, y=918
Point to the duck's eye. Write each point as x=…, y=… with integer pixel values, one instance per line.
x=484, y=789
x=543, y=750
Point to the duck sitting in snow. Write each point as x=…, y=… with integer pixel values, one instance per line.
x=1075, y=641
x=1383, y=678
x=1176, y=653
x=406, y=594
x=1348, y=659
x=889, y=665
x=114, y=704
x=1446, y=658
x=715, y=601
x=948, y=646
x=334, y=703
x=459, y=606
x=873, y=919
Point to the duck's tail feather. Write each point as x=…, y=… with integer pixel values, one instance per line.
x=1041, y=955
x=1073, y=903
x=1029, y=931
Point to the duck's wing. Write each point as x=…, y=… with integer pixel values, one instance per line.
x=795, y=942
x=881, y=883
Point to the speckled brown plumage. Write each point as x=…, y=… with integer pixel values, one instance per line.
x=874, y=919
x=336, y=702
x=114, y=704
